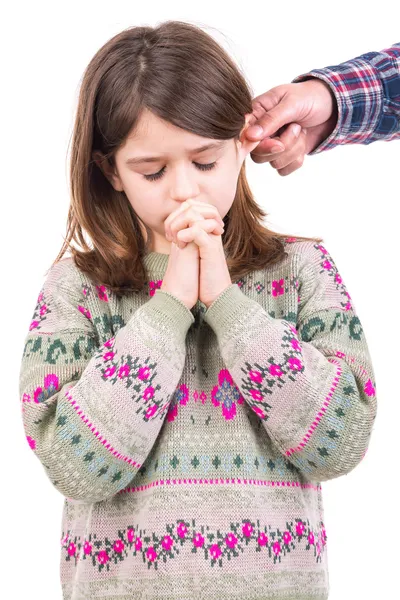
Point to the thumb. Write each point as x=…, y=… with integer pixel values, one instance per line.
x=283, y=113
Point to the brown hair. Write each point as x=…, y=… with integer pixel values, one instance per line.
x=186, y=78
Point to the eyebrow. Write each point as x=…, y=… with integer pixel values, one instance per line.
x=140, y=159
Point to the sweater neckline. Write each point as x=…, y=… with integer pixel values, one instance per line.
x=156, y=261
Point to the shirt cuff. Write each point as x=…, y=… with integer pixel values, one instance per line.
x=341, y=129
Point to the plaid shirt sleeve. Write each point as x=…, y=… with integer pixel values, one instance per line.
x=367, y=90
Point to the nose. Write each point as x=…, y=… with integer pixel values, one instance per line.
x=184, y=184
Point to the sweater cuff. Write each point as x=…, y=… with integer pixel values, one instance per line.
x=166, y=310
x=230, y=311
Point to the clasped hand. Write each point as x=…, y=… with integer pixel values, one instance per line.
x=198, y=222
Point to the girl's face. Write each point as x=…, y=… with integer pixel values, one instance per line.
x=160, y=166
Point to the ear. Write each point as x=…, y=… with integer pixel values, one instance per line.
x=244, y=145
x=106, y=168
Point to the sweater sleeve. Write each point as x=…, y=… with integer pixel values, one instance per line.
x=312, y=385
x=92, y=411
x=367, y=91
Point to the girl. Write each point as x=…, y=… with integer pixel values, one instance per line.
x=189, y=379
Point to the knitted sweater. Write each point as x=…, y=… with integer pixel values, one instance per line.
x=190, y=445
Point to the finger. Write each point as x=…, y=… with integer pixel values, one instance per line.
x=290, y=136
x=196, y=235
x=267, y=147
x=266, y=101
x=185, y=205
x=297, y=151
x=293, y=166
x=208, y=225
x=182, y=218
x=184, y=236
x=271, y=120
x=200, y=205
x=175, y=212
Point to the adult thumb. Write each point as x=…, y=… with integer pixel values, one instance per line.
x=283, y=113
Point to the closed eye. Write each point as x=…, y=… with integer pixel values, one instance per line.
x=160, y=173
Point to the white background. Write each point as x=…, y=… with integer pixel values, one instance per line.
x=349, y=196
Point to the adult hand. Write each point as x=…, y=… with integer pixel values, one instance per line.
x=299, y=115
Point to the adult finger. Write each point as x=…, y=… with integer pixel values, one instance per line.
x=271, y=120
x=297, y=150
x=268, y=149
x=296, y=164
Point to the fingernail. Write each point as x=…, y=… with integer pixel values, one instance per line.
x=255, y=131
x=296, y=129
x=276, y=149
